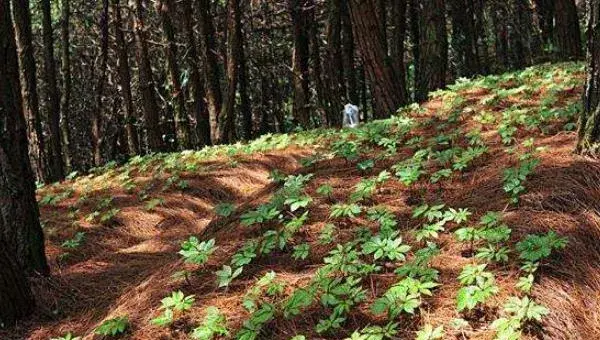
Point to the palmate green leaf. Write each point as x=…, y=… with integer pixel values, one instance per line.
x=301, y=251
x=195, y=251
x=214, y=324
x=165, y=319
x=178, y=301
x=227, y=274
x=296, y=203
x=113, y=327
x=430, y=333
x=525, y=283
x=224, y=209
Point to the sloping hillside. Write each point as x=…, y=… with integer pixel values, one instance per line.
x=469, y=213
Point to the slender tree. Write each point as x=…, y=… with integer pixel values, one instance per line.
x=430, y=17
x=146, y=81
x=335, y=63
x=348, y=56
x=182, y=125
x=52, y=96
x=245, y=105
x=300, y=61
x=120, y=47
x=211, y=67
x=37, y=146
x=200, y=109
x=21, y=237
x=589, y=121
x=97, y=133
x=388, y=91
x=65, y=100
x=464, y=37
x=567, y=32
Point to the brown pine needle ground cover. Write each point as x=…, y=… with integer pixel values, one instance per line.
x=134, y=218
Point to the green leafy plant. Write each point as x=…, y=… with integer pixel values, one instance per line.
x=518, y=312
x=478, y=286
x=113, y=327
x=262, y=214
x=194, y=251
x=515, y=177
x=325, y=190
x=430, y=333
x=296, y=203
x=390, y=248
x=68, y=336
x=345, y=210
x=537, y=247
x=404, y=296
x=214, y=324
x=301, y=251
x=227, y=274
x=365, y=165
x=225, y=209
x=177, y=302
x=75, y=242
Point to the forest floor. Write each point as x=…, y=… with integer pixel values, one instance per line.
x=113, y=236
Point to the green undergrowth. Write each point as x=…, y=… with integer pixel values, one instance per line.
x=426, y=149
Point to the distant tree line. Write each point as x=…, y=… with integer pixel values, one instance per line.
x=105, y=80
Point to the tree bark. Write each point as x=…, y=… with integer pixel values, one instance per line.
x=97, y=133
x=567, y=32
x=196, y=81
x=388, y=91
x=21, y=237
x=133, y=146
x=211, y=67
x=37, y=146
x=433, y=47
x=335, y=64
x=589, y=120
x=226, y=117
x=146, y=82
x=245, y=106
x=397, y=40
x=65, y=100
x=545, y=13
x=348, y=56
x=464, y=37
x=53, y=97
x=300, y=60
x=182, y=125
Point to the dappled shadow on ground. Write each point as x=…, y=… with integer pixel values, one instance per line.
x=125, y=267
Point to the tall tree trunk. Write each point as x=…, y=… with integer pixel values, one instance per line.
x=348, y=56
x=65, y=100
x=388, y=91
x=97, y=133
x=197, y=84
x=146, y=82
x=21, y=237
x=133, y=146
x=37, y=147
x=335, y=64
x=227, y=117
x=300, y=59
x=545, y=10
x=499, y=13
x=182, y=124
x=589, y=121
x=464, y=37
x=567, y=32
x=211, y=67
x=397, y=40
x=245, y=106
x=433, y=47
x=53, y=97
x=382, y=15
